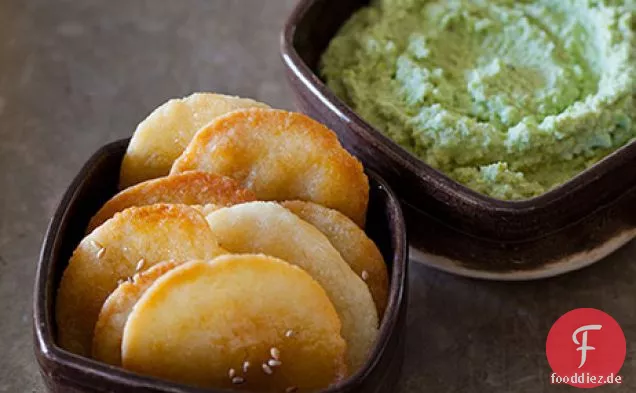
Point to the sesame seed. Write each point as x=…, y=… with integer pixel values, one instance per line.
x=140, y=264
x=267, y=369
x=365, y=275
x=274, y=362
x=238, y=380
x=246, y=365
x=231, y=373
x=120, y=281
x=291, y=389
x=100, y=252
x=96, y=244
x=275, y=353
x=289, y=333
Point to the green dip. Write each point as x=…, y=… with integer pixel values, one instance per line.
x=510, y=98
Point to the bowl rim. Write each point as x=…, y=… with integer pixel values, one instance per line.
x=466, y=196
x=47, y=350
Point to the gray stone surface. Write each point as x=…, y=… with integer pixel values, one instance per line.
x=77, y=74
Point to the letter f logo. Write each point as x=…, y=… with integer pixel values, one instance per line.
x=583, y=344
x=570, y=341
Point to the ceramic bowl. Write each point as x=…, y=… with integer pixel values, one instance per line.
x=95, y=184
x=450, y=226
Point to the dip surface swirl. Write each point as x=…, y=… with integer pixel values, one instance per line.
x=511, y=98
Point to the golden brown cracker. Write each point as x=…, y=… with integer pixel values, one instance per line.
x=109, y=329
x=280, y=156
x=202, y=321
x=269, y=228
x=352, y=243
x=113, y=251
x=188, y=188
x=165, y=133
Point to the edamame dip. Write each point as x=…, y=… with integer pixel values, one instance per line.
x=510, y=98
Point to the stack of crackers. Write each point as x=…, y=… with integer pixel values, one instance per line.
x=233, y=257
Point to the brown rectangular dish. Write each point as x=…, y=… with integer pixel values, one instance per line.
x=96, y=183
x=450, y=226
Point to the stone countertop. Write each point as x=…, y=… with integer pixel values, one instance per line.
x=77, y=74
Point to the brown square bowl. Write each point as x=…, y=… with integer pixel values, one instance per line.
x=450, y=226
x=95, y=184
